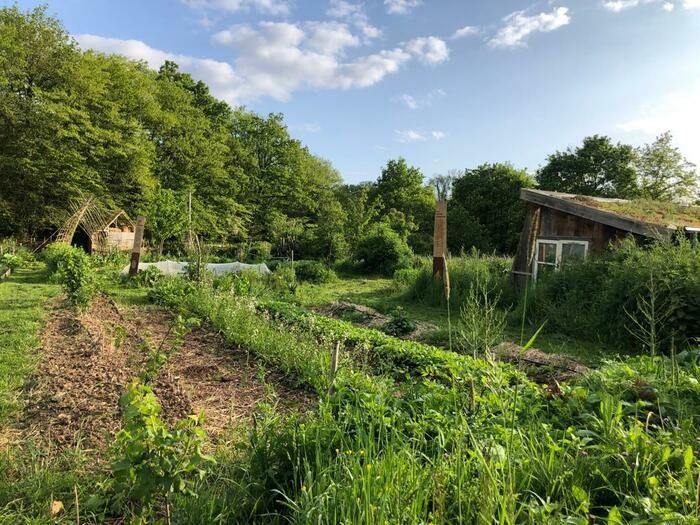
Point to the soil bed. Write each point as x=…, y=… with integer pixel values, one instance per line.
x=88, y=359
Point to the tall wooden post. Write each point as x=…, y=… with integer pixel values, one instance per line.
x=138, y=240
x=440, y=239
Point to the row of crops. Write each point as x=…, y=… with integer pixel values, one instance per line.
x=410, y=433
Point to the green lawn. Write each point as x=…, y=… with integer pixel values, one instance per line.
x=380, y=293
x=22, y=307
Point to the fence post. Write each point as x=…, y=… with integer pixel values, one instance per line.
x=334, y=367
x=138, y=240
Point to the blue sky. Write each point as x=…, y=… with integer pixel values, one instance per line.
x=444, y=83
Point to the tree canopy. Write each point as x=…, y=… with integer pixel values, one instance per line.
x=597, y=168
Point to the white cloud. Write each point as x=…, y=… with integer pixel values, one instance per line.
x=354, y=14
x=413, y=103
x=409, y=101
x=518, y=26
x=465, y=32
x=409, y=135
x=220, y=76
x=401, y=7
x=620, y=5
x=275, y=59
x=272, y=7
x=429, y=50
x=678, y=112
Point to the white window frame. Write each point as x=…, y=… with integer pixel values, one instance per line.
x=560, y=248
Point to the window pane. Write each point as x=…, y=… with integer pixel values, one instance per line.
x=547, y=252
x=572, y=251
x=545, y=269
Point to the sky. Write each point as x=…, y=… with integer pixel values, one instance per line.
x=443, y=83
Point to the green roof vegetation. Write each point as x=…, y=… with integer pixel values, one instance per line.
x=654, y=212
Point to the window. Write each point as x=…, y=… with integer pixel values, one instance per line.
x=552, y=254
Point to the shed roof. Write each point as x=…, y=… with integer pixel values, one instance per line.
x=643, y=217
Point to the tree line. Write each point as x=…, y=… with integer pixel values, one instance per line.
x=76, y=123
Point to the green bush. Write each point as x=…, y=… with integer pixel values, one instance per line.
x=53, y=254
x=383, y=251
x=151, y=462
x=171, y=291
x=76, y=272
x=313, y=272
x=608, y=298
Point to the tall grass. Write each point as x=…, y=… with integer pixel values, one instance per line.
x=492, y=272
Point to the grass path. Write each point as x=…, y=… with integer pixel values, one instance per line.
x=22, y=308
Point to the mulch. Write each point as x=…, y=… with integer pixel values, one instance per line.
x=88, y=359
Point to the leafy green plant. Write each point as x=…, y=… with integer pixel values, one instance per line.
x=149, y=277
x=399, y=323
x=151, y=462
x=313, y=272
x=75, y=270
x=383, y=251
x=53, y=254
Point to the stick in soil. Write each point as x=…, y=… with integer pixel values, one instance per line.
x=334, y=368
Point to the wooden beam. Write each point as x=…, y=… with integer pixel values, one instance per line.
x=138, y=240
x=562, y=203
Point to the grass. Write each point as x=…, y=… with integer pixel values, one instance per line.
x=381, y=294
x=22, y=306
x=655, y=212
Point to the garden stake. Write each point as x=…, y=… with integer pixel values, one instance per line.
x=334, y=368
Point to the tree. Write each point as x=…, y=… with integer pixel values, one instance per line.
x=664, y=174
x=361, y=212
x=167, y=217
x=597, y=168
x=486, y=211
x=400, y=188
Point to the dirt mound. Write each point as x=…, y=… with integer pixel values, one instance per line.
x=86, y=362
x=224, y=382
x=541, y=366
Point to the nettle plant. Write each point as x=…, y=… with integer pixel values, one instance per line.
x=151, y=462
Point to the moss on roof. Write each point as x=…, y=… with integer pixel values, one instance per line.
x=652, y=212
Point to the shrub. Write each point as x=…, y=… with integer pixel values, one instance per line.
x=404, y=278
x=399, y=323
x=54, y=254
x=148, y=277
x=171, y=291
x=75, y=270
x=613, y=290
x=383, y=251
x=313, y=272
x=152, y=462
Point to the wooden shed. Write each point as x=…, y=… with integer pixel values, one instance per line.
x=561, y=227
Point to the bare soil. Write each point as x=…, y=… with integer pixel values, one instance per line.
x=88, y=359
x=224, y=382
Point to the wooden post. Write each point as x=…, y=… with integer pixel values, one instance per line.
x=440, y=239
x=138, y=240
x=334, y=367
